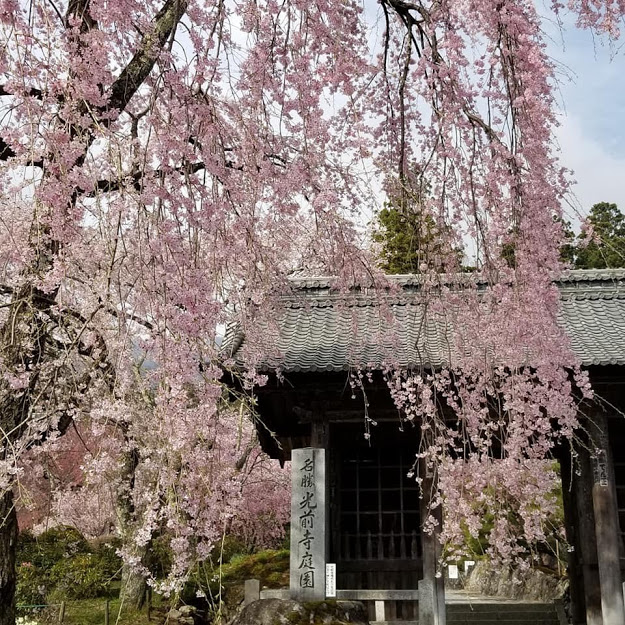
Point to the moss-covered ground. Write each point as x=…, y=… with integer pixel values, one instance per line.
x=270, y=567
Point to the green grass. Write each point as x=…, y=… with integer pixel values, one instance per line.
x=270, y=567
x=91, y=612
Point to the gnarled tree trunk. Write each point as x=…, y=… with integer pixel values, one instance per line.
x=134, y=588
x=8, y=545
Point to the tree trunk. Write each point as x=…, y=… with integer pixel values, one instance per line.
x=8, y=547
x=134, y=587
x=133, y=591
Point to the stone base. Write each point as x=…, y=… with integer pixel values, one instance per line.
x=514, y=583
x=288, y=612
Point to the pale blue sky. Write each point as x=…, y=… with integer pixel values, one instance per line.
x=592, y=94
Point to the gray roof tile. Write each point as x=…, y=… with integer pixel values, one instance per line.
x=322, y=331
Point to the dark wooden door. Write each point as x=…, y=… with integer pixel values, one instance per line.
x=375, y=511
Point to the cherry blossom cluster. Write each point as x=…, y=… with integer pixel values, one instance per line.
x=165, y=165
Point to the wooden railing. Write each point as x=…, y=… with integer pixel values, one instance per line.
x=380, y=598
x=387, y=546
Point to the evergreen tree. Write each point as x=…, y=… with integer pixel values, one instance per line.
x=410, y=239
x=606, y=248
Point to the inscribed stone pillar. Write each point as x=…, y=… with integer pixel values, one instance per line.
x=308, y=524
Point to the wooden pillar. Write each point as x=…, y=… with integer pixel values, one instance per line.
x=308, y=524
x=606, y=523
x=432, y=586
x=575, y=561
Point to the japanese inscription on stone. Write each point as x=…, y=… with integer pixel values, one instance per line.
x=308, y=521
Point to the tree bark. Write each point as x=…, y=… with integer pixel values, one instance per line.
x=8, y=546
x=134, y=588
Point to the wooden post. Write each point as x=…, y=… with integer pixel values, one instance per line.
x=380, y=610
x=606, y=525
x=432, y=587
x=579, y=518
x=107, y=612
x=308, y=524
x=62, y=612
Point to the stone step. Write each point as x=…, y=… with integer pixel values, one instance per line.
x=503, y=614
x=484, y=621
x=510, y=621
x=500, y=613
x=501, y=606
x=547, y=620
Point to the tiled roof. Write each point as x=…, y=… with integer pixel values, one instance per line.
x=593, y=315
x=322, y=331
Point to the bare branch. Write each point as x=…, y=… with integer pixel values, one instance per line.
x=138, y=69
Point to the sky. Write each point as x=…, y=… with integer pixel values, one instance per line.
x=592, y=97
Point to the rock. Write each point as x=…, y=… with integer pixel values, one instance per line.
x=288, y=612
x=187, y=610
x=530, y=584
x=182, y=615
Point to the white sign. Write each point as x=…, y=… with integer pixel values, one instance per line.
x=468, y=564
x=330, y=580
x=452, y=571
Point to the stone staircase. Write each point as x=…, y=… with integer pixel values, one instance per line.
x=501, y=613
x=463, y=608
x=496, y=613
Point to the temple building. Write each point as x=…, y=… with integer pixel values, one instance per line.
x=354, y=506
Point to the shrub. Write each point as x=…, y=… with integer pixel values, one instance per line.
x=55, y=544
x=60, y=564
x=32, y=584
x=105, y=558
x=160, y=557
x=79, y=578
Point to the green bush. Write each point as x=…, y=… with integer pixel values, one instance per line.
x=60, y=564
x=79, y=577
x=160, y=557
x=105, y=559
x=211, y=582
x=230, y=547
x=55, y=544
x=32, y=584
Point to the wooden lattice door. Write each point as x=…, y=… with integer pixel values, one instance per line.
x=375, y=509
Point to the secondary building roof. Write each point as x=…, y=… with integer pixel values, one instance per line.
x=319, y=329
